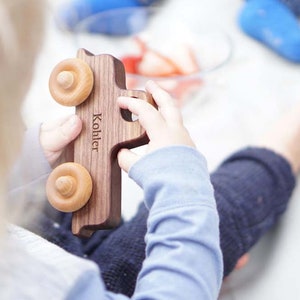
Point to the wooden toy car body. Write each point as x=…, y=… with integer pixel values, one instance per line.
x=106, y=129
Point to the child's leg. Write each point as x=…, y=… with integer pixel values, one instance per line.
x=252, y=189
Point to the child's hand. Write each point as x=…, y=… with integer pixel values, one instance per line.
x=55, y=136
x=163, y=126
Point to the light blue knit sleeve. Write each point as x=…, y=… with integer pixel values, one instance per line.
x=183, y=256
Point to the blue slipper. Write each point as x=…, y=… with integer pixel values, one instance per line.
x=273, y=24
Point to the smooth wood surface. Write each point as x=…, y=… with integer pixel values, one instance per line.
x=105, y=130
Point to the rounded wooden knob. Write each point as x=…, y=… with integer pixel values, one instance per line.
x=71, y=82
x=69, y=187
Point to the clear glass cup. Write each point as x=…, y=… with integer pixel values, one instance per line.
x=118, y=32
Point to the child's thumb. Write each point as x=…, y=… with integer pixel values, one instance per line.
x=55, y=136
x=126, y=159
x=69, y=130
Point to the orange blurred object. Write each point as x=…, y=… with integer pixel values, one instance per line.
x=131, y=63
x=149, y=62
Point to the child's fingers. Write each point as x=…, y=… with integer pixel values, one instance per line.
x=161, y=97
x=149, y=117
x=53, y=124
x=126, y=159
x=68, y=131
x=55, y=136
x=166, y=104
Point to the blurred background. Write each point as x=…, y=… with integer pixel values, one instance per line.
x=239, y=88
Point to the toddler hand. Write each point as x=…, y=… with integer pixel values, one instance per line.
x=56, y=135
x=164, y=126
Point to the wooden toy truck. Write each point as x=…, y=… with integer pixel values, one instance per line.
x=90, y=187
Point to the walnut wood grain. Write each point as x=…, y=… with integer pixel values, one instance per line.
x=105, y=130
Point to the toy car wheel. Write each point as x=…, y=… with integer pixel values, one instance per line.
x=69, y=187
x=71, y=82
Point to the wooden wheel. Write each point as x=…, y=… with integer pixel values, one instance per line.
x=71, y=82
x=69, y=187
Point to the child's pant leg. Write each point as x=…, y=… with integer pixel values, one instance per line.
x=252, y=190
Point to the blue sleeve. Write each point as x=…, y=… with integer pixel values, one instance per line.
x=182, y=239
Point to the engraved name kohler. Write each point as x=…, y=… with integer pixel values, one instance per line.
x=96, y=133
